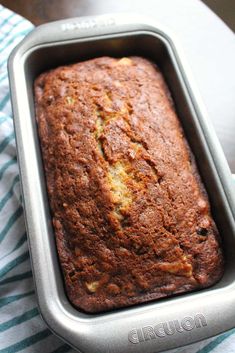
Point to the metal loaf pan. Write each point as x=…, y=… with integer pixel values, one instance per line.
x=155, y=326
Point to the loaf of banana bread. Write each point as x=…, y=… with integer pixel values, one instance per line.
x=131, y=217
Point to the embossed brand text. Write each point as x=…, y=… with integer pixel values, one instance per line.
x=87, y=23
x=164, y=329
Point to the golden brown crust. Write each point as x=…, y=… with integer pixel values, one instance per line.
x=131, y=217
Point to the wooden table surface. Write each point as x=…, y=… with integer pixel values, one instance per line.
x=212, y=63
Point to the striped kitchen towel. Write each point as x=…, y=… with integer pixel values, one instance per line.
x=21, y=327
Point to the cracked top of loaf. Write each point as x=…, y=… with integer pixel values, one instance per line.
x=131, y=217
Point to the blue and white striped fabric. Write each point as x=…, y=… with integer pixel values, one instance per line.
x=21, y=327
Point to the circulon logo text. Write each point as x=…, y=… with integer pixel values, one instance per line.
x=167, y=328
x=88, y=23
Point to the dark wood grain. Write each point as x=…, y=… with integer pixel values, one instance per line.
x=41, y=11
